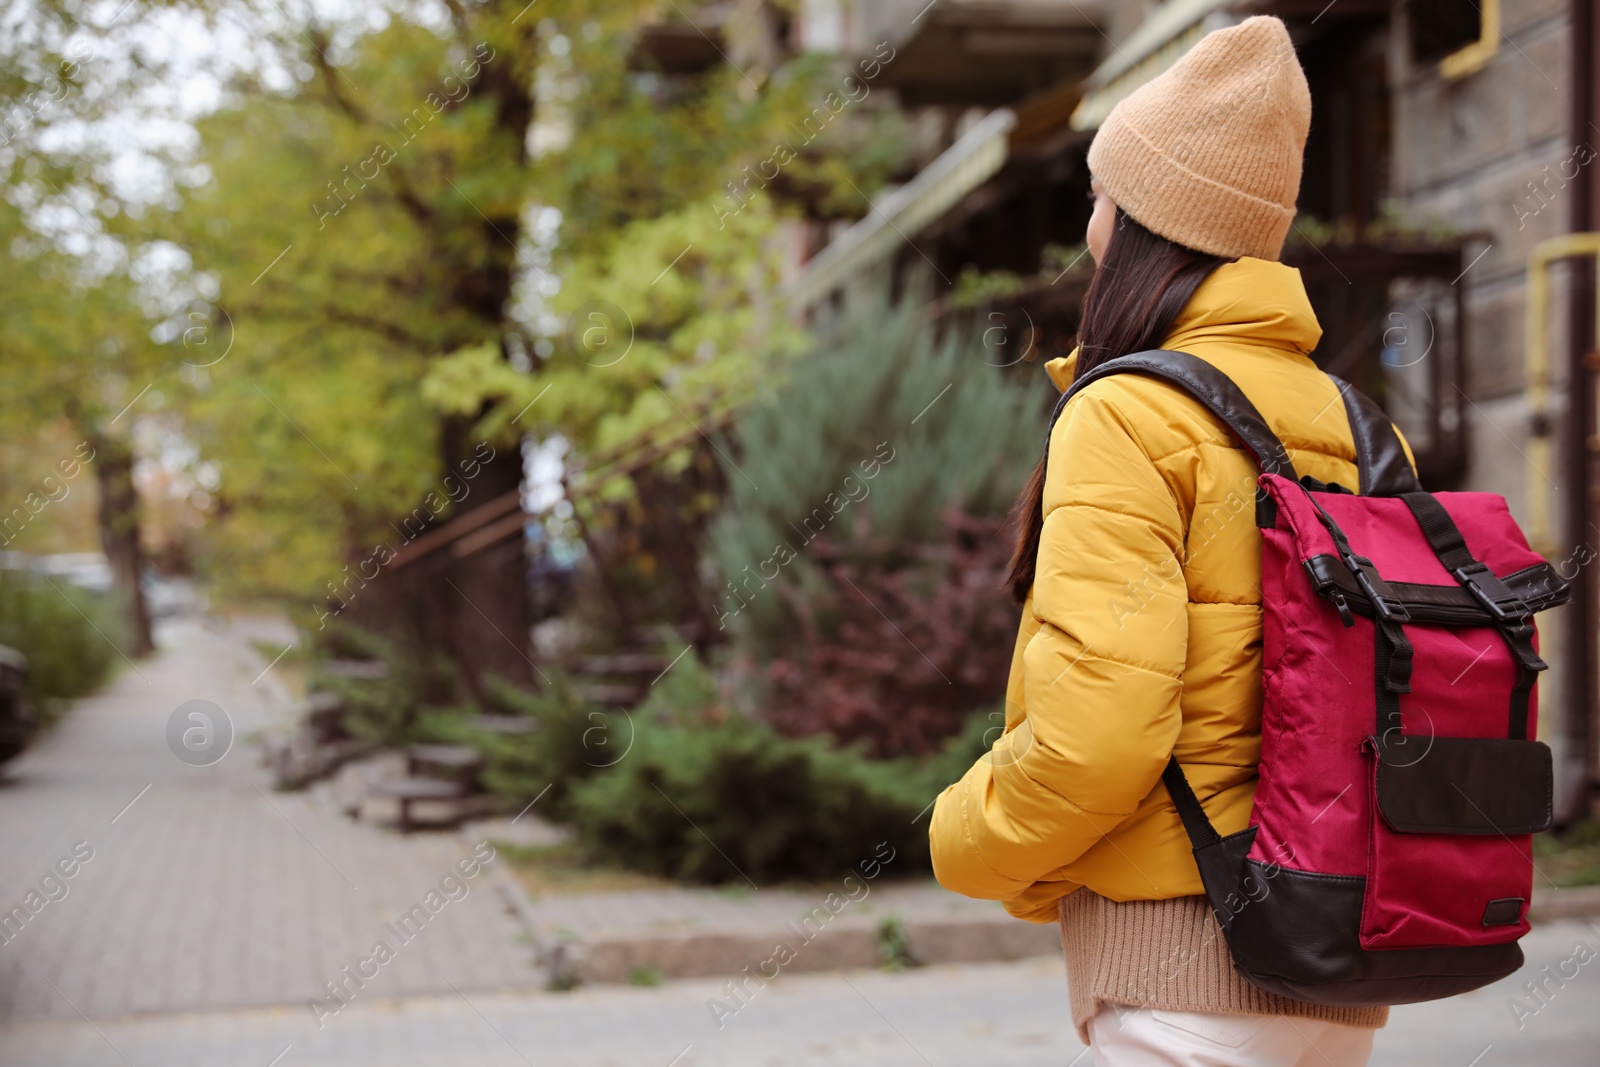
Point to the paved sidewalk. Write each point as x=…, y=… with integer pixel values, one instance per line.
x=993, y=1014
x=206, y=889
x=1005, y=1015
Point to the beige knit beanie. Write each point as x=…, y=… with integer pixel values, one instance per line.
x=1208, y=154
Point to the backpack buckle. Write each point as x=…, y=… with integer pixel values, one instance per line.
x=1384, y=601
x=1507, y=608
x=1510, y=611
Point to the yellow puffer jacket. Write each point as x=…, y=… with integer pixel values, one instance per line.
x=1142, y=634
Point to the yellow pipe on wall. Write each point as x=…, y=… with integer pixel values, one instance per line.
x=1475, y=56
x=1536, y=374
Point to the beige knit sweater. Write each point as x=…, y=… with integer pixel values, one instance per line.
x=1167, y=954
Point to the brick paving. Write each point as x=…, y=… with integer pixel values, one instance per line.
x=206, y=889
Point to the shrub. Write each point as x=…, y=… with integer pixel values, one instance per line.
x=570, y=740
x=70, y=635
x=861, y=536
x=879, y=432
x=651, y=789
x=718, y=802
x=897, y=658
x=709, y=795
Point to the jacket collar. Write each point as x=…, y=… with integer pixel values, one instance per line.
x=1254, y=302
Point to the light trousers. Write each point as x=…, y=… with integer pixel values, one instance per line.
x=1151, y=1037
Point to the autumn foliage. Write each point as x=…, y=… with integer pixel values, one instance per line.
x=899, y=657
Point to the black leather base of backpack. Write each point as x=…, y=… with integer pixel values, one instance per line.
x=1306, y=946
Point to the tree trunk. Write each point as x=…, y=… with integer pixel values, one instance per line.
x=474, y=610
x=119, y=536
x=482, y=601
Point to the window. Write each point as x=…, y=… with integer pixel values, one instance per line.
x=1439, y=28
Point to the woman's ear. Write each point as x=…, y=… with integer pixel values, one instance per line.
x=1102, y=221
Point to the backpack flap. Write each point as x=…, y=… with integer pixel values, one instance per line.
x=1463, y=785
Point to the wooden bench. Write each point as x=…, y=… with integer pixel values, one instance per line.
x=412, y=789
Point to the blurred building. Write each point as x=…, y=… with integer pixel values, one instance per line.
x=1448, y=161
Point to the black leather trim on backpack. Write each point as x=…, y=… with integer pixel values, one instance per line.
x=1307, y=945
x=1463, y=785
x=1384, y=466
x=1296, y=933
x=1504, y=911
x=1213, y=389
x=1540, y=586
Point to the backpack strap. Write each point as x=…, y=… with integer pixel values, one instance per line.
x=1220, y=396
x=1384, y=469
x=1381, y=460
x=1213, y=389
x=1196, y=823
x=1513, y=617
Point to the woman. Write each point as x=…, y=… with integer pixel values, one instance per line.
x=1137, y=565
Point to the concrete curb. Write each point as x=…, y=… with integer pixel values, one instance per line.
x=844, y=944
x=1576, y=902
x=514, y=898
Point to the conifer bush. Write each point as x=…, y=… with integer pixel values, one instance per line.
x=862, y=543
x=570, y=740
x=707, y=794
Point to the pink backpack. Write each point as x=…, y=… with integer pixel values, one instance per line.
x=1388, y=857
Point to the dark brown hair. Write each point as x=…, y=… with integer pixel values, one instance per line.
x=1133, y=299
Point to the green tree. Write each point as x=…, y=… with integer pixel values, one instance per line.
x=410, y=241
x=75, y=326
x=353, y=227
x=442, y=235
x=77, y=354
